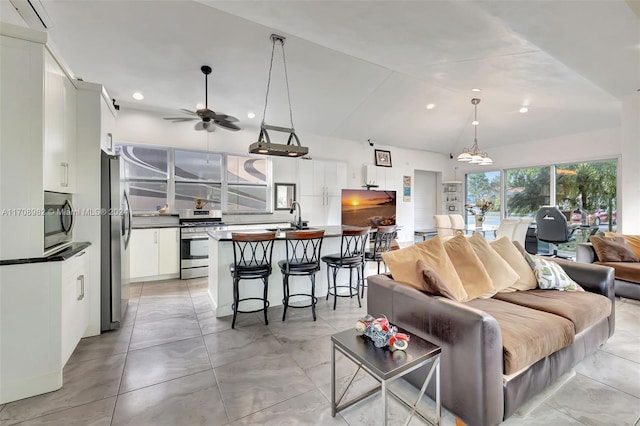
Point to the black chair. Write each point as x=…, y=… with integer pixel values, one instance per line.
x=251, y=260
x=303, y=258
x=552, y=228
x=352, y=249
x=381, y=244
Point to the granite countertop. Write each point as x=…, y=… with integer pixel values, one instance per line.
x=65, y=254
x=225, y=235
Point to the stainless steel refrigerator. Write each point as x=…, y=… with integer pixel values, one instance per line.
x=114, y=244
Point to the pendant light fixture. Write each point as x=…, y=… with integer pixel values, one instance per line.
x=264, y=144
x=473, y=155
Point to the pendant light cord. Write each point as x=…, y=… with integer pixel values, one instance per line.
x=286, y=78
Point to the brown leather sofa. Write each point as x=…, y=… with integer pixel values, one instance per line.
x=473, y=384
x=627, y=274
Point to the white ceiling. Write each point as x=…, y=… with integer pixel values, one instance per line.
x=366, y=69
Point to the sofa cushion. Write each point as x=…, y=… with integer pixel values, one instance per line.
x=433, y=282
x=550, y=275
x=633, y=241
x=583, y=309
x=475, y=279
x=402, y=265
x=515, y=259
x=528, y=335
x=625, y=271
x=612, y=249
x=501, y=273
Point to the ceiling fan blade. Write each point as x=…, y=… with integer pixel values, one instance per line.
x=186, y=111
x=206, y=113
x=224, y=117
x=180, y=119
x=227, y=125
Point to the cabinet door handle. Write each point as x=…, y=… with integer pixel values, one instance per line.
x=63, y=174
x=82, y=253
x=81, y=279
x=155, y=237
x=66, y=174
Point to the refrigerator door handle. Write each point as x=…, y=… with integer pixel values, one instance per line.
x=129, y=214
x=81, y=279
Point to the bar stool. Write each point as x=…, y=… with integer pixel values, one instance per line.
x=251, y=260
x=381, y=244
x=351, y=256
x=303, y=258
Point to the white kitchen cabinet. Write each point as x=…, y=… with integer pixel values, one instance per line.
x=321, y=183
x=74, y=302
x=59, y=128
x=154, y=253
x=168, y=251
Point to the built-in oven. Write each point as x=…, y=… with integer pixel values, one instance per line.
x=194, y=241
x=58, y=221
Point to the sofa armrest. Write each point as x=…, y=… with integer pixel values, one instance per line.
x=472, y=355
x=585, y=253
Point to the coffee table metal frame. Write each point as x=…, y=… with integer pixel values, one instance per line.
x=384, y=377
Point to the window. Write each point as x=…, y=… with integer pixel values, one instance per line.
x=586, y=192
x=144, y=173
x=526, y=191
x=484, y=186
x=231, y=183
x=198, y=176
x=247, y=189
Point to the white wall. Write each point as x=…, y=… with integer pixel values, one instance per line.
x=425, y=190
x=629, y=180
x=146, y=127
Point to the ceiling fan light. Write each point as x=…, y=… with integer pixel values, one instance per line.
x=486, y=161
x=475, y=159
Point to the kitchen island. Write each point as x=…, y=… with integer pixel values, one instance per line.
x=221, y=283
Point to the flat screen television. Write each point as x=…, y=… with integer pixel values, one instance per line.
x=362, y=207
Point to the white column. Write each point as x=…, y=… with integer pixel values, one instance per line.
x=629, y=189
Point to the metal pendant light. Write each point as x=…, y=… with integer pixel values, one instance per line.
x=264, y=145
x=473, y=155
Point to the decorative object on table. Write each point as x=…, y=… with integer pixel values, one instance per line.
x=200, y=203
x=164, y=209
x=264, y=145
x=473, y=155
x=207, y=118
x=383, y=158
x=479, y=209
x=406, y=188
x=382, y=333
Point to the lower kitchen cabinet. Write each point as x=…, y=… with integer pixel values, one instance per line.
x=44, y=308
x=154, y=253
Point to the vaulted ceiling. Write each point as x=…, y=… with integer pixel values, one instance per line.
x=366, y=69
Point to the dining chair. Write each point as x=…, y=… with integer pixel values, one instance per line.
x=443, y=225
x=506, y=228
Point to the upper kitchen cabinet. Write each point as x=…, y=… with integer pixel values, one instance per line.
x=321, y=183
x=59, y=128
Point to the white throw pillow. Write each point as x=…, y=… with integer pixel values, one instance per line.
x=550, y=275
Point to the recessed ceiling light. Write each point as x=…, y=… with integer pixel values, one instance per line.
x=476, y=90
x=524, y=109
x=431, y=106
x=475, y=122
x=251, y=114
x=138, y=96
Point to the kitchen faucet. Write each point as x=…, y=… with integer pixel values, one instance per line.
x=295, y=204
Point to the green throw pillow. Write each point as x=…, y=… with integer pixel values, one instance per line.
x=550, y=275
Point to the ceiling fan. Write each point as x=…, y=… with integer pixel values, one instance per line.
x=206, y=116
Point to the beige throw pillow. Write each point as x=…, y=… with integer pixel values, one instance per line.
x=403, y=266
x=516, y=260
x=434, y=254
x=475, y=279
x=501, y=273
x=633, y=241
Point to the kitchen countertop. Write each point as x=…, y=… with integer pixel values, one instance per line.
x=225, y=235
x=65, y=254
x=153, y=226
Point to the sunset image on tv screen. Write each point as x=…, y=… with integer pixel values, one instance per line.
x=368, y=208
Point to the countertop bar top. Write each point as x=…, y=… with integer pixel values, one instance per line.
x=65, y=254
x=225, y=235
x=152, y=226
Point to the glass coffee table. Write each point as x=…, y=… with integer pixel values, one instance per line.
x=385, y=366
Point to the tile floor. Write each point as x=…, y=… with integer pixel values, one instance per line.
x=174, y=363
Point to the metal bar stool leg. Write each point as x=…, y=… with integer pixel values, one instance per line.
x=313, y=295
x=359, y=270
x=335, y=289
x=265, y=302
x=328, y=282
x=236, y=296
x=285, y=301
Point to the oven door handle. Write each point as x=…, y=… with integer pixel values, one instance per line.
x=194, y=237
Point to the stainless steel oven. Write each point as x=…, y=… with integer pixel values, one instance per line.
x=194, y=242
x=58, y=221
